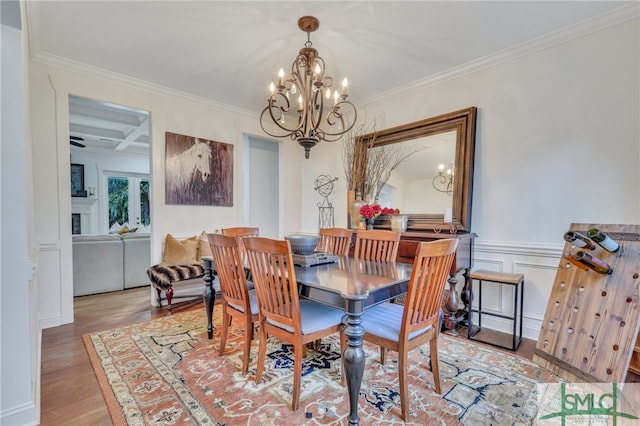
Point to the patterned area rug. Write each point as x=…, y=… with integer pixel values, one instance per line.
x=165, y=372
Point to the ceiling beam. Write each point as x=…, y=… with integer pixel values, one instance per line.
x=142, y=129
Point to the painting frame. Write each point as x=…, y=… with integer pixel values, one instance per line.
x=198, y=171
x=77, y=180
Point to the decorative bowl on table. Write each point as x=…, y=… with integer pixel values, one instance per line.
x=302, y=244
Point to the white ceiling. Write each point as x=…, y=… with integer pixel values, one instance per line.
x=229, y=51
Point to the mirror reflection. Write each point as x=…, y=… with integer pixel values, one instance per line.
x=421, y=186
x=429, y=171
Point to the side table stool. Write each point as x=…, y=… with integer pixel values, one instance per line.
x=501, y=278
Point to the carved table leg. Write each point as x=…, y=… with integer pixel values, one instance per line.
x=209, y=294
x=353, y=359
x=451, y=321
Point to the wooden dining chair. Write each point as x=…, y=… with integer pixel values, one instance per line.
x=240, y=232
x=377, y=244
x=237, y=300
x=403, y=328
x=334, y=240
x=282, y=314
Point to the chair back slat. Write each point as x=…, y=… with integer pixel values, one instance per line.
x=377, y=244
x=240, y=233
x=274, y=280
x=230, y=268
x=334, y=240
x=431, y=269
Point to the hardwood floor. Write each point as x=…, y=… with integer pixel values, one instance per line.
x=69, y=390
x=70, y=394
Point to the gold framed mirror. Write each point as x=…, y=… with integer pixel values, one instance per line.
x=443, y=142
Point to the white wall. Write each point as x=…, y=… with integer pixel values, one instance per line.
x=557, y=142
x=19, y=335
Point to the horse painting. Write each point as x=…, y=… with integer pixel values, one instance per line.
x=198, y=171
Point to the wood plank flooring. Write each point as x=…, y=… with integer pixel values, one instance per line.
x=69, y=390
x=70, y=394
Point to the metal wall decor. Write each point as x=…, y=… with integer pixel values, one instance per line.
x=324, y=186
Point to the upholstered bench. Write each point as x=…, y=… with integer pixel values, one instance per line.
x=163, y=278
x=181, y=272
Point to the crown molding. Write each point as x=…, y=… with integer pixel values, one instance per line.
x=614, y=17
x=96, y=72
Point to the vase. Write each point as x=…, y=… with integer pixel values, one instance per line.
x=351, y=196
x=370, y=223
x=354, y=210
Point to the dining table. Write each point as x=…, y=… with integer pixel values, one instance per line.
x=350, y=284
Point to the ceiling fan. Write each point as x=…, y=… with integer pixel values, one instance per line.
x=75, y=141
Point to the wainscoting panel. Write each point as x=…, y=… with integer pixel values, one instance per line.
x=49, y=280
x=538, y=263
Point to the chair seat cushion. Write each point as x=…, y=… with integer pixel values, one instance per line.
x=385, y=321
x=253, y=303
x=315, y=317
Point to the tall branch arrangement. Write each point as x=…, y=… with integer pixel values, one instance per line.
x=355, y=157
x=367, y=169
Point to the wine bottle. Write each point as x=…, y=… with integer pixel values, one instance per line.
x=578, y=240
x=603, y=240
x=593, y=262
x=569, y=257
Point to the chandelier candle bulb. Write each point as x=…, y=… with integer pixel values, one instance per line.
x=603, y=240
x=281, y=77
x=593, y=262
x=345, y=83
x=576, y=239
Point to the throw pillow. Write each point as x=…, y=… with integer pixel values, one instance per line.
x=115, y=228
x=126, y=230
x=204, y=249
x=178, y=252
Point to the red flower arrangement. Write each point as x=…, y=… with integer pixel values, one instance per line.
x=373, y=211
x=390, y=210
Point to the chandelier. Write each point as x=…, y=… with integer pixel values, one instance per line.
x=443, y=182
x=319, y=114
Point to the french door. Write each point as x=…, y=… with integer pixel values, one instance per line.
x=128, y=199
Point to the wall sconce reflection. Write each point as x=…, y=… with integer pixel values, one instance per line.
x=443, y=181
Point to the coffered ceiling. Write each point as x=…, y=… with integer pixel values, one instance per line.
x=227, y=52
x=97, y=125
